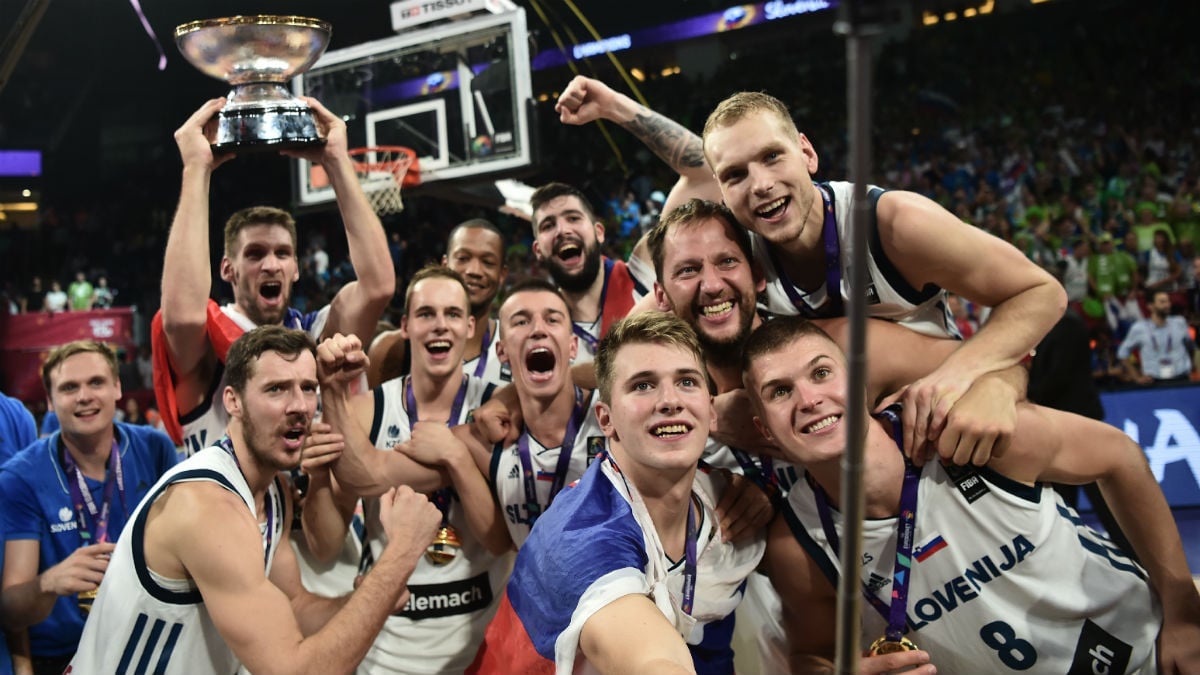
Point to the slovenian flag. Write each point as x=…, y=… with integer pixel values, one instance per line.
x=586, y=551
x=933, y=546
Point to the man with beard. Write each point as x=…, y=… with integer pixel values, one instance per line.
x=205, y=578
x=191, y=334
x=598, y=290
x=475, y=249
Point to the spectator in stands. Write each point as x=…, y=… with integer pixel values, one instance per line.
x=33, y=300
x=1075, y=271
x=1164, y=265
x=103, y=295
x=1111, y=272
x=1164, y=345
x=56, y=299
x=80, y=293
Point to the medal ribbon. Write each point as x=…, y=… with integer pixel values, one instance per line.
x=81, y=496
x=441, y=497
x=906, y=525
x=564, y=460
x=833, y=269
x=484, y=348
x=227, y=445
x=582, y=334
x=687, y=602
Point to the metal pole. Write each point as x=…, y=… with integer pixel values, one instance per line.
x=856, y=24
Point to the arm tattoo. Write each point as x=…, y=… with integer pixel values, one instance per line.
x=674, y=144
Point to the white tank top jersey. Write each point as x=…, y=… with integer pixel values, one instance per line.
x=507, y=475
x=487, y=366
x=442, y=625
x=1005, y=578
x=142, y=622
x=889, y=295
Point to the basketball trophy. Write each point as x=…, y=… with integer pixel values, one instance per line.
x=257, y=55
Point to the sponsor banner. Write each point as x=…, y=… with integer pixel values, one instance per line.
x=1166, y=423
x=427, y=601
x=412, y=13
x=26, y=339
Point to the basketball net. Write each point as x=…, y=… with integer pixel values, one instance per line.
x=383, y=171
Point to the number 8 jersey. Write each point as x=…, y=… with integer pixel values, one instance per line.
x=1005, y=578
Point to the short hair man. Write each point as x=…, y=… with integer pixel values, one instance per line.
x=629, y=571
x=1039, y=587
x=763, y=166
x=191, y=334
x=475, y=250
x=65, y=499
x=207, y=585
x=411, y=416
x=1164, y=345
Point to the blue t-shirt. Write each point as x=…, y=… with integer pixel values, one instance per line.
x=17, y=427
x=35, y=503
x=50, y=423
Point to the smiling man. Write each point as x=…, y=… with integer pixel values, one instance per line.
x=206, y=578
x=66, y=498
x=475, y=250
x=598, y=290
x=629, y=572
x=192, y=333
x=1031, y=587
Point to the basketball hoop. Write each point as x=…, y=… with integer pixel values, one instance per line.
x=383, y=171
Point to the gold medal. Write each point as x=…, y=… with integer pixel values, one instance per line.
x=444, y=547
x=86, y=598
x=885, y=646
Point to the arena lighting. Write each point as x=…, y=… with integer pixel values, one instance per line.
x=930, y=18
x=637, y=74
x=950, y=16
x=26, y=192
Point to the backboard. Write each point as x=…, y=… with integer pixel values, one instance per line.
x=458, y=93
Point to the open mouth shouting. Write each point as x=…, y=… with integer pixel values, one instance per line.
x=271, y=291
x=293, y=436
x=569, y=253
x=821, y=424
x=439, y=350
x=773, y=210
x=540, y=363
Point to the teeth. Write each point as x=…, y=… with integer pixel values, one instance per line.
x=821, y=424
x=763, y=210
x=670, y=430
x=539, y=350
x=439, y=344
x=568, y=249
x=721, y=308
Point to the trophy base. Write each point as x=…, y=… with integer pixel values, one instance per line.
x=266, y=128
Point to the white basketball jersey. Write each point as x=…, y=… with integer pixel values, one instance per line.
x=440, y=628
x=142, y=622
x=889, y=295
x=487, y=366
x=1005, y=578
x=507, y=477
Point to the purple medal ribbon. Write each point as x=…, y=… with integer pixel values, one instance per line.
x=227, y=445
x=582, y=334
x=906, y=525
x=833, y=269
x=81, y=496
x=484, y=348
x=560, y=469
x=689, y=559
x=441, y=498
x=688, y=601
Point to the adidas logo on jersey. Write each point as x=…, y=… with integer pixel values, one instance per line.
x=515, y=472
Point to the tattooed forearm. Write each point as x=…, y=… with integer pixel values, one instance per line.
x=674, y=144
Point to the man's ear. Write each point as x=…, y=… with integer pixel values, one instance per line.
x=762, y=429
x=604, y=420
x=233, y=403
x=227, y=269
x=662, y=299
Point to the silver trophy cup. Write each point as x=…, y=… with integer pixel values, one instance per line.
x=257, y=55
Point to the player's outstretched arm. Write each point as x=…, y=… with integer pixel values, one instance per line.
x=929, y=245
x=586, y=100
x=631, y=635
x=209, y=532
x=358, y=305
x=1061, y=447
x=187, y=278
